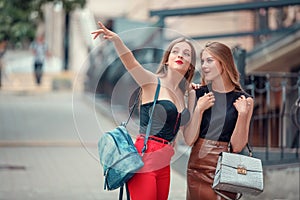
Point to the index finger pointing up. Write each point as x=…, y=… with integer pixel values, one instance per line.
x=102, y=26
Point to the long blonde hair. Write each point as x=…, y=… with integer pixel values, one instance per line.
x=162, y=69
x=223, y=54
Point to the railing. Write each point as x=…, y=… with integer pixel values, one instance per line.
x=275, y=127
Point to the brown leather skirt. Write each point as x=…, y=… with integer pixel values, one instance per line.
x=201, y=169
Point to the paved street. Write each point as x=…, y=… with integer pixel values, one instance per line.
x=48, y=148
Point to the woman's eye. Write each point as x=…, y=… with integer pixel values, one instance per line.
x=175, y=51
x=187, y=54
x=209, y=60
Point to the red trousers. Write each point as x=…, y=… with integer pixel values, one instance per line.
x=152, y=182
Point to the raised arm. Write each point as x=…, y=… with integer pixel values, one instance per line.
x=140, y=74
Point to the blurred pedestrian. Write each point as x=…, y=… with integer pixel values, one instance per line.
x=221, y=116
x=40, y=51
x=3, y=46
x=175, y=72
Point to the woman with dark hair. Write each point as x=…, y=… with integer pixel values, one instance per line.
x=175, y=73
x=221, y=116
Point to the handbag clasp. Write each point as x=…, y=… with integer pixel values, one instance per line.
x=241, y=170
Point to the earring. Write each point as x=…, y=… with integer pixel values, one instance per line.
x=165, y=68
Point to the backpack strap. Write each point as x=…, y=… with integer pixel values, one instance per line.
x=121, y=192
x=150, y=119
x=132, y=108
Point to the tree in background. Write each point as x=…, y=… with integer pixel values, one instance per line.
x=19, y=20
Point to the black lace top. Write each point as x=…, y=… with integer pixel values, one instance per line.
x=166, y=119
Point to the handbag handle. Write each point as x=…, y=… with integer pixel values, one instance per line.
x=247, y=145
x=150, y=119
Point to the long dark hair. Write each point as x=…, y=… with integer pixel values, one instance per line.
x=162, y=69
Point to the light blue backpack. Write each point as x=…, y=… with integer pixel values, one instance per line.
x=118, y=155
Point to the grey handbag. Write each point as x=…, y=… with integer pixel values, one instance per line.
x=238, y=173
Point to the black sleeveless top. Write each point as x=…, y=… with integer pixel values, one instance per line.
x=166, y=119
x=218, y=122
